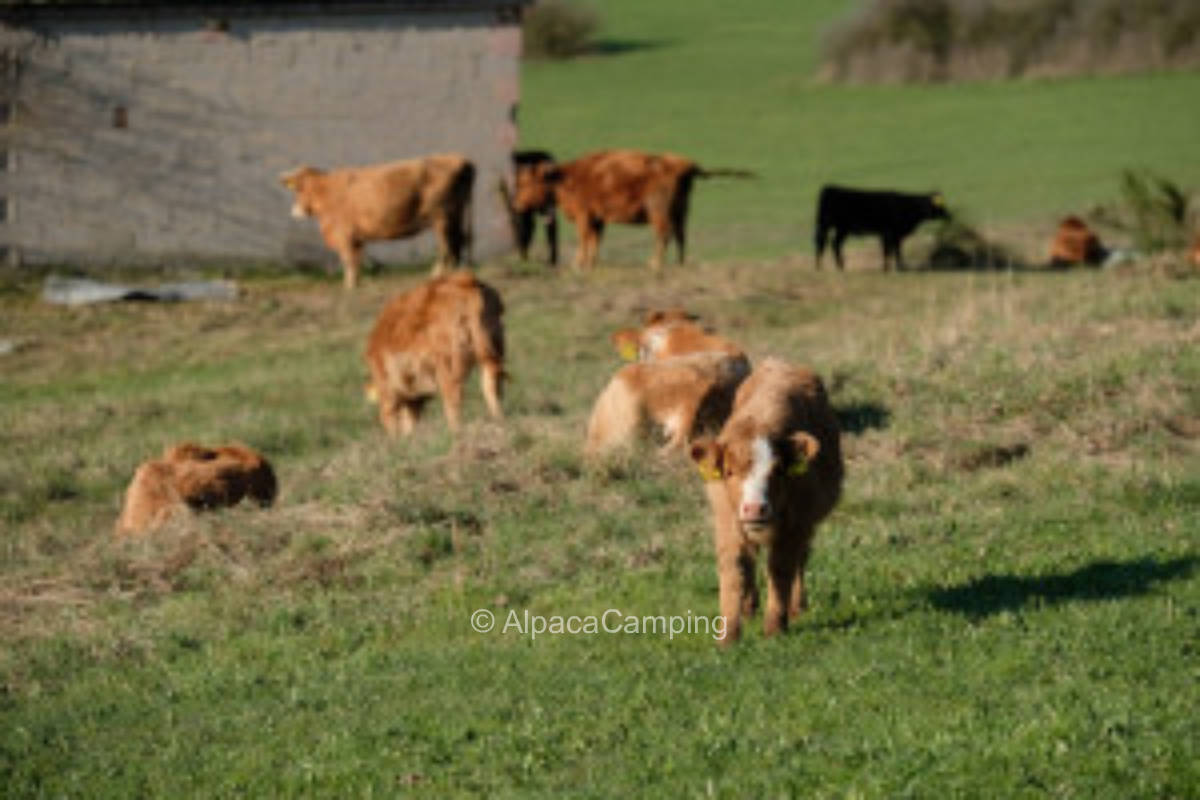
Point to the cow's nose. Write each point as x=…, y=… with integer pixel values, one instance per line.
x=753, y=510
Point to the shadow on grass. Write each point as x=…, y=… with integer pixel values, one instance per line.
x=860, y=417
x=616, y=47
x=1103, y=580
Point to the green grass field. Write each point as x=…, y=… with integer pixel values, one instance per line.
x=1005, y=604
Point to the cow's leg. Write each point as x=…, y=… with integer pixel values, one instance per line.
x=583, y=232
x=735, y=569
x=662, y=235
x=897, y=253
x=781, y=573
x=886, y=243
x=839, y=238
x=492, y=377
x=450, y=384
x=596, y=228
x=798, y=603
x=350, y=254
x=749, y=581
x=441, y=230
x=819, y=240
x=551, y=221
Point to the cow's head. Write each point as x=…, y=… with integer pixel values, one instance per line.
x=300, y=180
x=535, y=186
x=937, y=207
x=748, y=467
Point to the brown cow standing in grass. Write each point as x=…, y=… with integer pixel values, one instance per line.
x=1076, y=243
x=426, y=341
x=191, y=476
x=771, y=475
x=626, y=186
x=357, y=205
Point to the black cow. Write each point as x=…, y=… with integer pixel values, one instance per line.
x=524, y=222
x=891, y=215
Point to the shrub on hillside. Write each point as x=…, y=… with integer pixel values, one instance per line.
x=559, y=29
x=937, y=40
x=1156, y=212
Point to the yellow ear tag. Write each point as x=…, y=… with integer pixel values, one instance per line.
x=799, y=467
x=629, y=351
x=709, y=472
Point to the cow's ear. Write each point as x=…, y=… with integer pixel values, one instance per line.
x=291, y=178
x=626, y=343
x=937, y=200
x=804, y=449
x=708, y=456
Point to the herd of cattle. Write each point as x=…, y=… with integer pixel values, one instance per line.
x=763, y=436
x=357, y=205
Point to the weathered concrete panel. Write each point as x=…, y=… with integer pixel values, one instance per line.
x=161, y=139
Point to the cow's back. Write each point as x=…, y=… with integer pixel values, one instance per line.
x=617, y=185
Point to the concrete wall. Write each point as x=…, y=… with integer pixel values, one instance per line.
x=160, y=140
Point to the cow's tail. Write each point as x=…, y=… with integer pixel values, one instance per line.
x=468, y=221
x=487, y=327
x=725, y=172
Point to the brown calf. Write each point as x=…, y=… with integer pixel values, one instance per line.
x=191, y=476
x=1075, y=243
x=426, y=341
x=664, y=334
x=774, y=472
x=679, y=396
x=356, y=205
x=626, y=186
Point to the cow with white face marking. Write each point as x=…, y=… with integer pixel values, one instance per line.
x=771, y=475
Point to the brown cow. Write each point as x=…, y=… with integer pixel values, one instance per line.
x=678, y=396
x=1195, y=253
x=626, y=186
x=357, y=205
x=1076, y=243
x=774, y=472
x=191, y=476
x=427, y=340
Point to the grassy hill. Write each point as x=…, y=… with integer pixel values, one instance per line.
x=1006, y=602
x=736, y=85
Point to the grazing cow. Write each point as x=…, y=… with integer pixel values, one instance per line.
x=1076, y=243
x=774, y=472
x=626, y=186
x=524, y=223
x=679, y=396
x=426, y=340
x=357, y=205
x=1195, y=254
x=891, y=215
x=191, y=476
x=673, y=332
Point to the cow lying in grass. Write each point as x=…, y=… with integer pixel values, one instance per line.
x=771, y=475
x=1076, y=243
x=426, y=341
x=672, y=332
x=682, y=385
x=356, y=205
x=191, y=476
